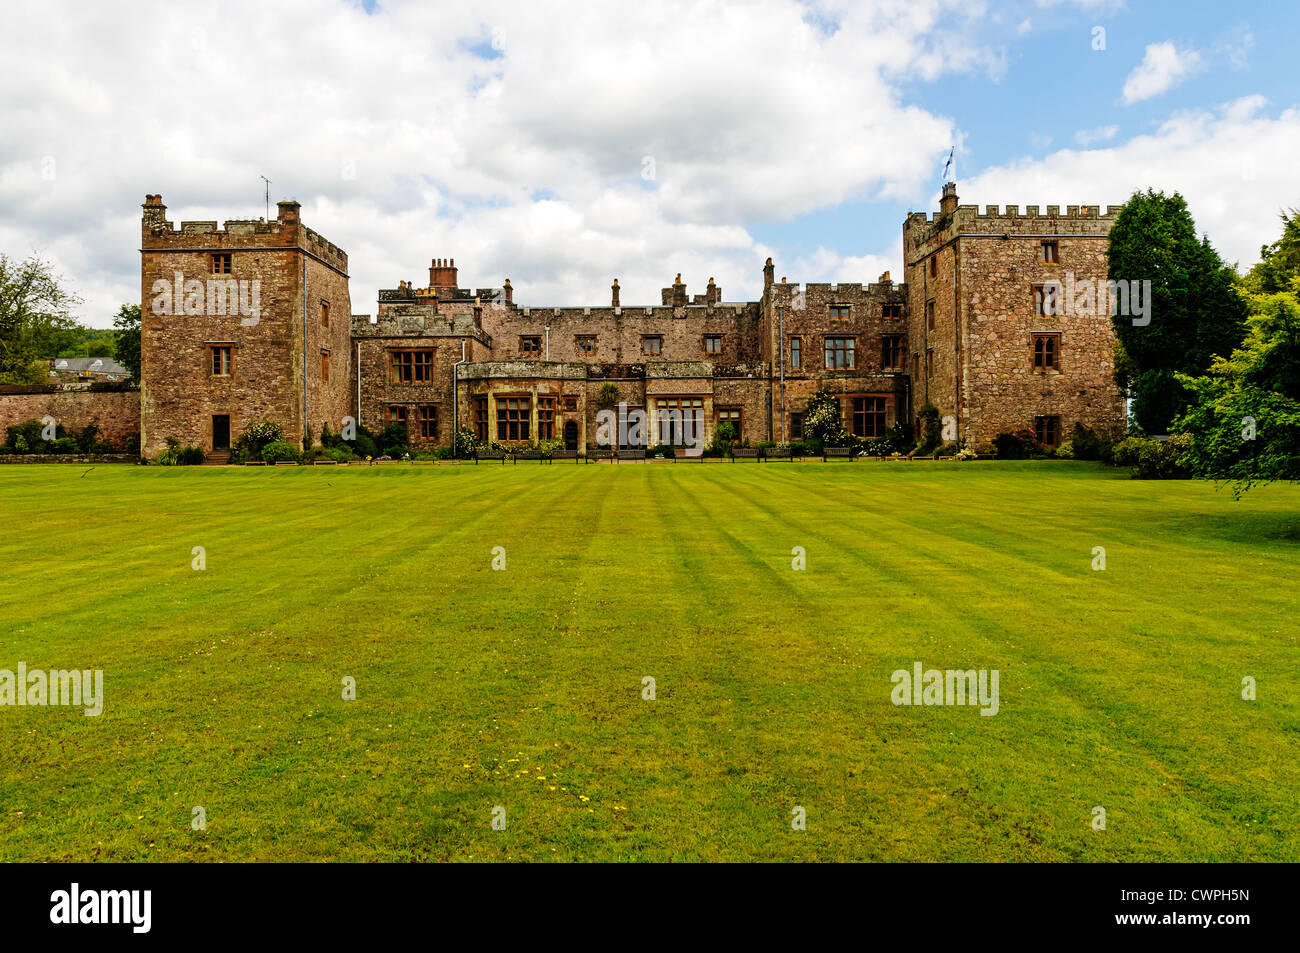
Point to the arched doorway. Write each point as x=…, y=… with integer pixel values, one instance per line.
x=571, y=435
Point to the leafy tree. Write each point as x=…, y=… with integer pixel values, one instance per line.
x=126, y=349
x=1245, y=421
x=1279, y=262
x=89, y=342
x=1196, y=311
x=35, y=319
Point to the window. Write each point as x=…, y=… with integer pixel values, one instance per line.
x=221, y=360
x=1049, y=252
x=428, y=420
x=412, y=367
x=570, y=403
x=1047, y=352
x=221, y=263
x=324, y=365
x=512, y=418
x=891, y=311
x=868, y=416
x=730, y=415
x=929, y=315
x=546, y=418
x=713, y=344
x=680, y=420
x=586, y=343
x=796, y=352
x=796, y=425
x=839, y=353
x=397, y=414
x=481, y=417
x=1047, y=298
x=839, y=312
x=929, y=362
x=530, y=344
x=891, y=352
x=652, y=344
x=934, y=265
x=1047, y=430
x=324, y=314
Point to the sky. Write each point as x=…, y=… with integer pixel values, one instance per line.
x=561, y=145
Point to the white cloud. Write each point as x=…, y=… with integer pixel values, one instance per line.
x=1090, y=137
x=1225, y=162
x=524, y=161
x=1163, y=67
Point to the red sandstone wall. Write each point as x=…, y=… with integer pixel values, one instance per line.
x=116, y=413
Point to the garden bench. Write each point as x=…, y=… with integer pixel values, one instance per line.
x=565, y=455
x=599, y=453
x=688, y=453
x=530, y=455
x=631, y=455
x=490, y=455
x=779, y=453
x=840, y=453
x=747, y=453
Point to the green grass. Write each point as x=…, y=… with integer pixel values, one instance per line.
x=223, y=688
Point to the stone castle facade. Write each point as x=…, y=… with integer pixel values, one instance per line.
x=253, y=322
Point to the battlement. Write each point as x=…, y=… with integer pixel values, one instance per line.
x=849, y=289
x=965, y=213
x=285, y=231
x=418, y=320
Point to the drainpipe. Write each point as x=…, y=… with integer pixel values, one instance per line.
x=548, y=343
x=306, y=427
x=455, y=397
x=358, y=417
x=780, y=357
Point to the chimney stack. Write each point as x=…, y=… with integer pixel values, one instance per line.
x=442, y=275
x=713, y=294
x=679, y=292
x=769, y=272
x=509, y=293
x=614, y=293
x=948, y=203
x=289, y=212
x=155, y=213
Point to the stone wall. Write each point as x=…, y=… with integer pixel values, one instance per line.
x=115, y=412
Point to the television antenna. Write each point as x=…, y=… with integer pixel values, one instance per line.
x=268, y=196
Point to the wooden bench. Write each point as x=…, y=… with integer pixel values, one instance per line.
x=565, y=455
x=631, y=455
x=599, y=453
x=490, y=455
x=840, y=453
x=529, y=455
x=687, y=453
x=745, y=453
x=779, y=453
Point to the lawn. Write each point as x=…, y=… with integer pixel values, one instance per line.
x=521, y=688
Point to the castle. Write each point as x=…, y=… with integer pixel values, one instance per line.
x=253, y=322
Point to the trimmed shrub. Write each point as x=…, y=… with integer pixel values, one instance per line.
x=253, y=439
x=1017, y=445
x=1162, y=459
x=177, y=456
x=279, y=451
x=1127, y=450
